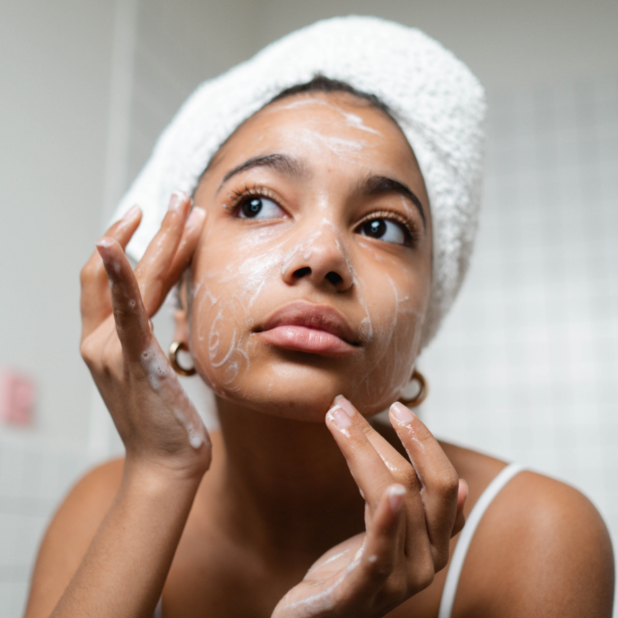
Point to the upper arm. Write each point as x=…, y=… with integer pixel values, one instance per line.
x=541, y=549
x=69, y=535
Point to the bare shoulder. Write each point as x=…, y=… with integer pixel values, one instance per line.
x=70, y=533
x=541, y=549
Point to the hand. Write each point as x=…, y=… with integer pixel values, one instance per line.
x=154, y=417
x=412, y=510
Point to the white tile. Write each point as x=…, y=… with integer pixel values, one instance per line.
x=29, y=533
x=8, y=539
x=19, y=593
x=11, y=464
x=6, y=594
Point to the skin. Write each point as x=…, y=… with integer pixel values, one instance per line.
x=265, y=517
x=382, y=288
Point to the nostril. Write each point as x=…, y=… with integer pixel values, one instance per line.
x=302, y=272
x=334, y=278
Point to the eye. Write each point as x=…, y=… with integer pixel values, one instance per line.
x=259, y=207
x=386, y=230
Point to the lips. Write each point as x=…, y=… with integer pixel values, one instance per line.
x=306, y=327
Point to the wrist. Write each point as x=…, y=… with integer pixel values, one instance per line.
x=153, y=476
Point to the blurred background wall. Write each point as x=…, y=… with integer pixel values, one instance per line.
x=526, y=367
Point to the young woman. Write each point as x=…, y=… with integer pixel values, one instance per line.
x=317, y=260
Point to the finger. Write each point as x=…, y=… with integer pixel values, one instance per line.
x=460, y=518
x=403, y=471
x=152, y=269
x=132, y=324
x=95, y=302
x=184, y=253
x=400, y=467
x=382, y=549
x=365, y=464
x=439, y=480
x=385, y=554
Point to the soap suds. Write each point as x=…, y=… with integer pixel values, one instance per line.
x=352, y=120
x=165, y=383
x=255, y=270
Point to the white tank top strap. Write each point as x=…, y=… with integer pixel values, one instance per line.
x=158, y=612
x=465, y=537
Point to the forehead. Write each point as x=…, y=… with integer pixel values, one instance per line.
x=323, y=124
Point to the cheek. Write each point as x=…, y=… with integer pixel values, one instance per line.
x=227, y=281
x=395, y=309
x=230, y=282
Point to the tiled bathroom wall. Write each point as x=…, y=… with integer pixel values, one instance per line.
x=526, y=367
x=33, y=480
x=35, y=474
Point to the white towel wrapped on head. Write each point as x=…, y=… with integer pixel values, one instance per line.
x=439, y=105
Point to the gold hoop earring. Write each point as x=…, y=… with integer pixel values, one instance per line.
x=423, y=391
x=178, y=346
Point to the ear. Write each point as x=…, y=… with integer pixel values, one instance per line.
x=181, y=332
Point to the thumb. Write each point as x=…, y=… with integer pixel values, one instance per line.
x=460, y=518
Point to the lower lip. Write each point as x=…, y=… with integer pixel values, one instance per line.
x=303, y=339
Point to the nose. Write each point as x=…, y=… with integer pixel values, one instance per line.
x=320, y=256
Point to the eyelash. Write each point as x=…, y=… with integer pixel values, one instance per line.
x=237, y=198
x=409, y=227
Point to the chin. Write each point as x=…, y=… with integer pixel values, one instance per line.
x=302, y=392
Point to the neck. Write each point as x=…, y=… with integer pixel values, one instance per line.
x=284, y=483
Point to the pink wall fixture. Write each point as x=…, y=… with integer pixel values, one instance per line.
x=17, y=397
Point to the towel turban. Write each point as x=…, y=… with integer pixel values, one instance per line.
x=439, y=104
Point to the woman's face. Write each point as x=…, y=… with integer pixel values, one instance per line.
x=313, y=272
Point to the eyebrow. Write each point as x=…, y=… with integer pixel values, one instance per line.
x=372, y=185
x=279, y=162
x=381, y=185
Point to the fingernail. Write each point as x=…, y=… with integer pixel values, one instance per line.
x=402, y=413
x=345, y=405
x=196, y=215
x=395, y=497
x=466, y=486
x=131, y=213
x=104, y=243
x=177, y=198
x=339, y=417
